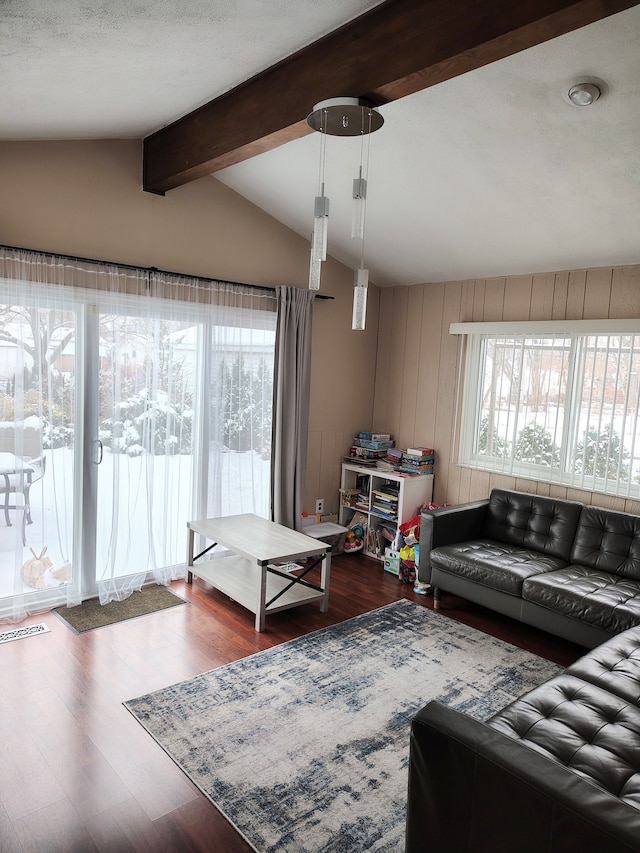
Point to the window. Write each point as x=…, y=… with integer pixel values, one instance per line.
x=556, y=406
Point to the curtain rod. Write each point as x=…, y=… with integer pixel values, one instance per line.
x=149, y=269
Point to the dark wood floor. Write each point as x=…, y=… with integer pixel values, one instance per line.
x=78, y=773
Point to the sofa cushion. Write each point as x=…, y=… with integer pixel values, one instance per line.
x=493, y=564
x=609, y=541
x=583, y=727
x=614, y=666
x=608, y=601
x=532, y=521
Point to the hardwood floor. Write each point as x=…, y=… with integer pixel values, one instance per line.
x=78, y=773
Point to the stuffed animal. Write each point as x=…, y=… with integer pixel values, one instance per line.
x=34, y=569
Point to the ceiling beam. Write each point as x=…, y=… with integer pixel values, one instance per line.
x=394, y=50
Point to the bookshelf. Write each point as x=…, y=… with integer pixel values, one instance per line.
x=385, y=498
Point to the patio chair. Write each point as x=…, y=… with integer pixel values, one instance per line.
x=20, y=483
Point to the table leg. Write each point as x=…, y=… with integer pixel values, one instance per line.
x=324, y=581
x=190, y=540
x=260, y=610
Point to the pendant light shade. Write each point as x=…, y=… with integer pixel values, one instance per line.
x=360, y=287
x=320, y=228
x=315, y=268
x=359, y=206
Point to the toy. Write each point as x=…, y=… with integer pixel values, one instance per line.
x=352, y=541
x=407, y=572
x=35, y=568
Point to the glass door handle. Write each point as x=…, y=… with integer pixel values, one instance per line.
x=100, y=451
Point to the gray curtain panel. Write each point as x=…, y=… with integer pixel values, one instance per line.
x=291, y=404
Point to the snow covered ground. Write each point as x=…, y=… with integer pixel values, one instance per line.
x=153, y=510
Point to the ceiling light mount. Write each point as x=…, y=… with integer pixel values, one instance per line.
x=345, y=117
x=584, y=94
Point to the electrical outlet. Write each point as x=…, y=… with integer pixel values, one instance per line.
x=320, y=506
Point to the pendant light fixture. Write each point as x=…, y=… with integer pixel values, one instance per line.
x=320, y=216
x=343, y=117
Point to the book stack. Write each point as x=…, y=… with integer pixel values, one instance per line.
x=362, y=498
x=385, y=501
x=394, y=456
x=370, y=446
x=417, y=460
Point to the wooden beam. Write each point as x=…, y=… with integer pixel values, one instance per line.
x=394, y=50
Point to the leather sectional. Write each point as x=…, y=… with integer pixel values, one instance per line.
x=556, y=771
x=568, y=568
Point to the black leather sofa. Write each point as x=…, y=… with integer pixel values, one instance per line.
x=556, y=771
x=568, y=568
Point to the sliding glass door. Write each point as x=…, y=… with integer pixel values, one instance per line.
x=122, y=417
x=145, y=454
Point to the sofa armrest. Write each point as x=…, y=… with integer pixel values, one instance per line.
x=473, y=789
x=446, y=526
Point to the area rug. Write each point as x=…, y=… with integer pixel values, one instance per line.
x=91, y=614
x=304, y=747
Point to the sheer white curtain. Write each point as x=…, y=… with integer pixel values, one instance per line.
x=37, y=435
x=153, y=397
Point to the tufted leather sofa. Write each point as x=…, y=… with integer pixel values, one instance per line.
x=558, y=770
x=570, y=569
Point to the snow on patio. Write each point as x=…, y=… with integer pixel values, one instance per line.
x=238, y=483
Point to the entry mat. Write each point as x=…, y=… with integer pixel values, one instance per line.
x=91, y=614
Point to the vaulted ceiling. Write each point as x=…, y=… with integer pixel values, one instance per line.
x=482, y=167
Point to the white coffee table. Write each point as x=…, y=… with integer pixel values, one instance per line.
x=248, y=574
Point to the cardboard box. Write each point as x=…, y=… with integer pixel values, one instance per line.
x=391, y=561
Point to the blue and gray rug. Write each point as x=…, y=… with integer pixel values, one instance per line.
x=304, y=747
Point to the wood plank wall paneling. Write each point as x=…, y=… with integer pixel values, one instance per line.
x=411, y=370
x=429, y=363
x=542, y=295
x=398, y=330
x=479, y=288
x=448, y=381
x=575, y=295
x=494, y=299
x=428, y=417
x=383, y=363
x=597, y=294
x=466, y=302
x=625, y=292
x=559, y=303
x=325, y=450
x=517, y=297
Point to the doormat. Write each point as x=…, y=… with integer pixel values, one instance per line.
x=91, y=614
x=19, y=633
x=305, y=747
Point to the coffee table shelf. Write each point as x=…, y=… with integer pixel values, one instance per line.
x=238, y=578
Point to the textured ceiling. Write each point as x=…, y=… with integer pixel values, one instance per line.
x=72, y=69
x=491, y=173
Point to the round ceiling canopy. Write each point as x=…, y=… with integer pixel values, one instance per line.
x=345, y=117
